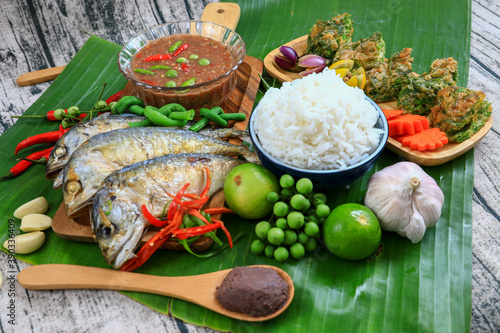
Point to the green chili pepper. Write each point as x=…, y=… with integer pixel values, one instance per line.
x=160, y=67
x=126, y=103
x=170, y=84
x=181, y=60
x=194, y=56
x=233, y=116
x=182, y=115
x=189, y=82
x=160, y=119
x=174, y=47
x=213, y=117
x=144, y=71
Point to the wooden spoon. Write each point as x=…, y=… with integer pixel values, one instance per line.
x=197, y=289
x=226, y=14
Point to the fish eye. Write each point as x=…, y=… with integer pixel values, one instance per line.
x=73, y=187
x=60, y=151
x=106, y=231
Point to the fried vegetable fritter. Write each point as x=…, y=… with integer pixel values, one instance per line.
x=419, y=95
x=325, y=37
x=460, y=112
x=366, y=53
x=384, y=81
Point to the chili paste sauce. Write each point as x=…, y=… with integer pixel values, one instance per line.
x=181, y=60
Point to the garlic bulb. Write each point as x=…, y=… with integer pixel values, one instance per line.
x=405, y=199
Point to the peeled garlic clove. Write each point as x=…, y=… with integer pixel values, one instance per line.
x=405, y=199
x=35, y=222
x=25, y=243
x=35, y=206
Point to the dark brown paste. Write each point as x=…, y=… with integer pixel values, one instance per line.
x=255, y=291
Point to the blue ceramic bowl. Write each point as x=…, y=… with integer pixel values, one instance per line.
x=324, y=179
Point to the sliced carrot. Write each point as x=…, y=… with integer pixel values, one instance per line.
x=407, y=124
x=428, y=139
x=389, y=114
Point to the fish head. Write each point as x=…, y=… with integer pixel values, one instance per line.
x=57, y=160
x=74, y=192
x=83, y=175
x=118, y=226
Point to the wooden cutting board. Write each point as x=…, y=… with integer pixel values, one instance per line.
x=241, y=100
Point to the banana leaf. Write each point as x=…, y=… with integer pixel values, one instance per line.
x=424, y=287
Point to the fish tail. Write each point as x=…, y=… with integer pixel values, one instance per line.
x=250, y=156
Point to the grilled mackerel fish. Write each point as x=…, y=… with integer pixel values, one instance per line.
x=107, y=122
x=108, y=152
x=117, y=218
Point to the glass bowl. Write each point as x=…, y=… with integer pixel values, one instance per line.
x=322, y=179
x=202, y=95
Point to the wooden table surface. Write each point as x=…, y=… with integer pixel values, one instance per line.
x=48, y=33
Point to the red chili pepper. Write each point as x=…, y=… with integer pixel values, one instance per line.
x=180, y=49
x=195, y=231
x=152, y=219
x=48, y=137
x=153, y=244
x=114, y=97
x=185, y=67
x=218, y=210
x=157, y=57
x=223, y=227
x=48, y=116
x=23, y=164
x=174, y=205
x=149, y=82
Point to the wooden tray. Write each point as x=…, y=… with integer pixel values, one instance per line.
x=436, y=157
x=241, y=100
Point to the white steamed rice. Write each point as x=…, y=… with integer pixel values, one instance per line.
x=317, y=122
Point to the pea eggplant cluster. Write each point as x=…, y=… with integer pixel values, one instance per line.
x=293, y=227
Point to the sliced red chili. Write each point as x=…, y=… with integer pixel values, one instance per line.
x=174, y=205
x=195, y=231
x=218, y=210
x=149, y=82
x=180, y=49
x=152, y=219
x=158, y=57
x=223, y=227
x=204, y=193
x=175, y=215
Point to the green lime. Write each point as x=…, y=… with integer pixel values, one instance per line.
x=351, y=231
x=246, y=188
